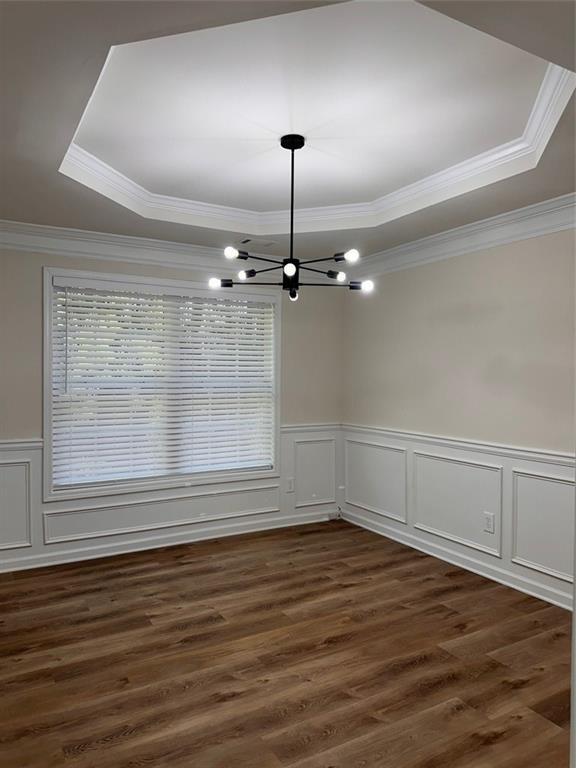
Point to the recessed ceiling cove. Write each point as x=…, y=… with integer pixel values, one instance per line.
x=401, y=108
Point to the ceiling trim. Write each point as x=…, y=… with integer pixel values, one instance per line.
x=535, y=220
x=83, y=244
x=513, y=157
x=89, y=170
x=532, y=221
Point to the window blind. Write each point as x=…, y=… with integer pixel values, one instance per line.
x=153, y=385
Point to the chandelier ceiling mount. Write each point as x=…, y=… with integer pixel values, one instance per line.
x=291, y=266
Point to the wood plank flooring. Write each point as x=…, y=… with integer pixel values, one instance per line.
x=323, y=646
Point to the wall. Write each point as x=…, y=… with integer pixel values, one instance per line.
x=435, y=494
x=34, y=532
x=450, y=365
x=479, y=347
x=312, y=382
x=311, y=334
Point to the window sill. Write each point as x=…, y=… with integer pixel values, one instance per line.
x=120, y=488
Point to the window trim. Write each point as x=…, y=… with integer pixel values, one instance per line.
x=117, y=281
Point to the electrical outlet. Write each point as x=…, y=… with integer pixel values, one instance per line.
x=290, y=485
x=489, y=522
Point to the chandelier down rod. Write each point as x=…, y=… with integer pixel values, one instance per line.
x=292, y=141
x=292, y=266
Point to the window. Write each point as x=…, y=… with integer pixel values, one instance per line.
x=157, y=381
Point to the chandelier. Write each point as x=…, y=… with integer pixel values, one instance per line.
x=292, y=267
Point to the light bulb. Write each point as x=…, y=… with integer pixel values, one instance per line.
x=214, y=282
x=367, y=286
x=293, y=295
x=341, y=277
x=242, y=275
x=290, y=270
x=230, y=252
x=352, y=256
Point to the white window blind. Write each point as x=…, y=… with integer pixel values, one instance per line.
x=148, y=385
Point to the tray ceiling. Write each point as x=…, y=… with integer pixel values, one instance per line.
x=402, y=108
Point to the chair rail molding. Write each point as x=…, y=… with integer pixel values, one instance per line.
x=560, y=458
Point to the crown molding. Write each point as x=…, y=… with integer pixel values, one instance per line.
x=80, y=165
x=521, y=224
x=532, y=221
x=83, y=244
x=555, y=91
x=516, y=156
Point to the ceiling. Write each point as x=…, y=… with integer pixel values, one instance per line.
x=198, y=116
x=545, y=28
x=53, y=53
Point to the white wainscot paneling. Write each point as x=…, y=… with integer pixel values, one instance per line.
x=36, y=533
x=451, y=497
x=14, y=505
x=543, y=523
x=223, y=506
x=315, y=466
x=376, y=478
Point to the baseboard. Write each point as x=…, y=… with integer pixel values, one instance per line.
x=95, y=551
x=502, y=576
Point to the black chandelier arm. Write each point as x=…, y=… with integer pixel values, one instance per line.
x=311, y=269
x=267, y=269
x=261, y=258
x=316, y=261
x=317, y=285
x=327, y=285
x=291, y=266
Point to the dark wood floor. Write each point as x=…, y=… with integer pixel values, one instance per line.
x=323, y=646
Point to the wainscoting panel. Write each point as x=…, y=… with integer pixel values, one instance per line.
x=376, y=478
x=451, y=485
x=428, y=492
x=315, y=462
x=452, y=497
x=543, y=515
x=34, y=532
x=138, y=516
x=15, y=529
